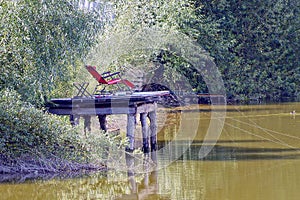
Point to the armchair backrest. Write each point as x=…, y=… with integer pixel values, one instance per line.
x=96, y=75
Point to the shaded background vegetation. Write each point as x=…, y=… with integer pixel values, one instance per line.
x=255, y=45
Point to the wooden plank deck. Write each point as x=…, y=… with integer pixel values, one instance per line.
x=105, y=105
x=143, y=103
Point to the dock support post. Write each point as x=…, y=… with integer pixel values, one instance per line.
x=74, y=120
x=87, y=123
x=103, y=122
x=130, y=131
x=153, y=130
x=145, y=132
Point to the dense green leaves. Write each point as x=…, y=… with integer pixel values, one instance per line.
x=41, y=44
x=256, y=46
x=138, y=30
x=26, y=129
x=41, y=41
x=255, y=43
x=138, y=14
x=34, y=141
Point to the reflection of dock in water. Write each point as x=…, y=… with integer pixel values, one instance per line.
x=148, y=188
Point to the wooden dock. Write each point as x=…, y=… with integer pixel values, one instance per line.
x=143, y=103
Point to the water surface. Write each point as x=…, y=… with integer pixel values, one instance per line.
x=255, y=157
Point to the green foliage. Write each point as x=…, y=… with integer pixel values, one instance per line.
x=41, y=41
x=31, y=134
x=138, y=14
x=255, y=44
x=25, y=129
x=133, y=19
x=174, y=70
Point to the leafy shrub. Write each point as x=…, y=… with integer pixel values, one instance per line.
x=33, y=140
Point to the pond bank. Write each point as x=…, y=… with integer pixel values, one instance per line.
x=27, y=168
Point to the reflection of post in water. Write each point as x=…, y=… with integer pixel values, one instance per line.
x=171, y=126
x=149, y=185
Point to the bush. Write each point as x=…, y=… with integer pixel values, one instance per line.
x=33, y=140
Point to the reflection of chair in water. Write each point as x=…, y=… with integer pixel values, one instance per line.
x=108, y=78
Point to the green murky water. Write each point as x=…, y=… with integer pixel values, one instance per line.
x=256, y=156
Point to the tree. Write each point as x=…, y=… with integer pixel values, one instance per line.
x=256, y=45
x=41, y=41
x=132, y=16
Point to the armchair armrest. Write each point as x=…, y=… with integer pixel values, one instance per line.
x=108, y=74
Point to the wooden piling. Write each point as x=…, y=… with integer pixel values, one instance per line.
x=74, y=120
x=130, y=131
x=145, y=132
x=87, y=123
x=103, y=122
x=153, y=130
